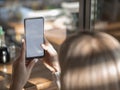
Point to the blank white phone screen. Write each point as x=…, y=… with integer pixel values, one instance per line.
x=34, y=37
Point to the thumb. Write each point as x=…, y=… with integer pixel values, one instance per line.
x=31, y=64
x=22, y=53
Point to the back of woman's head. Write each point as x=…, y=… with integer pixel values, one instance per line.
x=90, y=61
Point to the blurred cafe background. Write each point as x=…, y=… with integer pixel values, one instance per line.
x=62, y=17
x=58, y=15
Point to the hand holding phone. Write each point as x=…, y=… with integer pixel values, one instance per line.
x=34, y=37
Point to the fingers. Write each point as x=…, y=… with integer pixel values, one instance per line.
x=22, y=54
x=49, y=48
x=44, y=46
x=51, y=59
x=46, y=41
x=52, y=69
x=31, y=64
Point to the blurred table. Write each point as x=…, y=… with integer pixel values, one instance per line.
x=55, y=35
x=40, y=79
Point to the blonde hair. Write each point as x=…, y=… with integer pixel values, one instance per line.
x=90, y=61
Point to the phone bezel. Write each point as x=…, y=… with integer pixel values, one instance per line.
x=29, y=58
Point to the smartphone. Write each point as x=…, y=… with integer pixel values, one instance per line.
x=34, y=37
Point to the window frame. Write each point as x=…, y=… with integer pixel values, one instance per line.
x=84, y=14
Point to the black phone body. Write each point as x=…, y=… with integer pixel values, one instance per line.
x=34, y=37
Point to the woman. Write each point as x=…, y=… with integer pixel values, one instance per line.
x=88, y=61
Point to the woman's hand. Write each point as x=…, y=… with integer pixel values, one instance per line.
x=21, y=72
x=50, y=59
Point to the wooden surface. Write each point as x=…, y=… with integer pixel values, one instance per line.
x=40, y=79
x=55, y=35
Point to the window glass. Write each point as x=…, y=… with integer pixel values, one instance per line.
x=106, y=16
